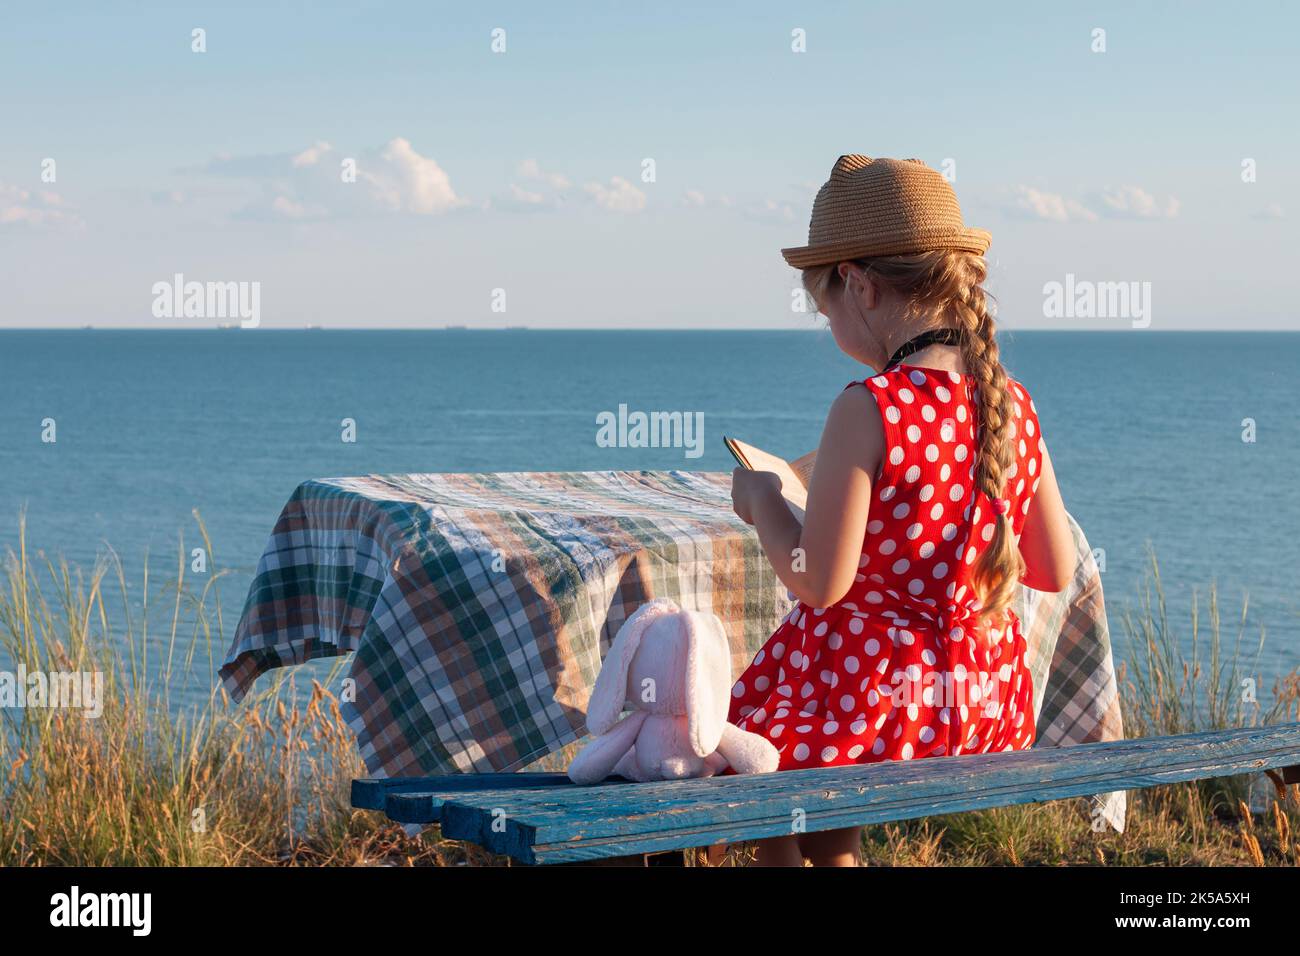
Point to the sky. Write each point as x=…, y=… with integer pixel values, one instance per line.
x=632, y=165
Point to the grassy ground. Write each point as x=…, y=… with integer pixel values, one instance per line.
x=266, y=782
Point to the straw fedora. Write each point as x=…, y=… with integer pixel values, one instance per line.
x=882, y=207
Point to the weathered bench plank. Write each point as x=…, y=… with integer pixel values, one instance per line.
x=551, y=824
x=373, y=793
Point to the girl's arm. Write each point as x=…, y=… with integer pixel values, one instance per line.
x=1046, y=543
x=819, y=560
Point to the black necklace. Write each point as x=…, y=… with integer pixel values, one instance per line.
x=925, y=339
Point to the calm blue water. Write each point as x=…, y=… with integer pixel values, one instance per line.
x=1145, y=430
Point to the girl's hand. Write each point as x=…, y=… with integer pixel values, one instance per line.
x=749, y=487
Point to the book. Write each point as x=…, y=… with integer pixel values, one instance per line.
x=795, y=475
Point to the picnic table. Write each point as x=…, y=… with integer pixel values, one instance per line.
x=477, y=608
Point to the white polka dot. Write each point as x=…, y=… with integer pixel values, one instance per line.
x=914, y=530
x=829, y=754
x=949, y=532
x=940, y=569
x=892, y=415
x=931, y=452
x=912, y=474
x=927, y=412
x=901, y=565
x=801, y=752
x=926, y=549
x=955, y=494
x=875, y=526
x=905, y=396
x=887, y=492
x=895, y=455
x=872, y=647
x=901, y=509
x=907, y=752
x=942, y=393
x=887, y=546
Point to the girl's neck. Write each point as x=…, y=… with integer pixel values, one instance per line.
x=944, y=358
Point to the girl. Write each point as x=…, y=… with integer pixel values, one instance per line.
x=931, y=498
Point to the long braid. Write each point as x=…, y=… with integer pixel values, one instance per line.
x=998, y=568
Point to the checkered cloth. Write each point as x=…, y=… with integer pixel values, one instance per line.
x=477, y=607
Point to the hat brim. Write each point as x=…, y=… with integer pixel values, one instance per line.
x=964, y=240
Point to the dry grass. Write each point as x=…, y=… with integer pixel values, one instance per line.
x=267, y=782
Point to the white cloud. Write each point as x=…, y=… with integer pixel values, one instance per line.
x=519, y=194
x=619, y=196
x=693, y=197
x=42, y=208
x=405, y=181
x=1051, y=206
x=771, y=210
x=530, y=169
x=1119, y=202
x=1132, y=202
x=307, y=184
x=311, y=155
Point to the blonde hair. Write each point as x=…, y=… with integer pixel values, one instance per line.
x=949, y=286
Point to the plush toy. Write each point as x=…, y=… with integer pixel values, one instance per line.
x=673, y=669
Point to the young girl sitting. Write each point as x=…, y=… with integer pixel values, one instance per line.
x=931, y=498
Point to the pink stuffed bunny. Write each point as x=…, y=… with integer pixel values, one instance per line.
x=673, y=669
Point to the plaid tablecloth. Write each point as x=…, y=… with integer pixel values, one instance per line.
x=477, y=607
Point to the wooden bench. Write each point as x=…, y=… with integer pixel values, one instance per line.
x=542, y=818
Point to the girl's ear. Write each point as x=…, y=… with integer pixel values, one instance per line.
x=859, y=285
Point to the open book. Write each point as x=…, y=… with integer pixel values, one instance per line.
x=795, y=475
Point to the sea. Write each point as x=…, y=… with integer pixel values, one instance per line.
x=1182, y=446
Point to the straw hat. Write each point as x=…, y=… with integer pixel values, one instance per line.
x=882, y=207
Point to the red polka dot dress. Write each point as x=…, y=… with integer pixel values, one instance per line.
x=902, y=667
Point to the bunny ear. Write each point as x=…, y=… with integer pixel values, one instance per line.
x=610, y=693
x=708, y=681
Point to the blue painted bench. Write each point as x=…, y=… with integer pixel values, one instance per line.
x=542, y=818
